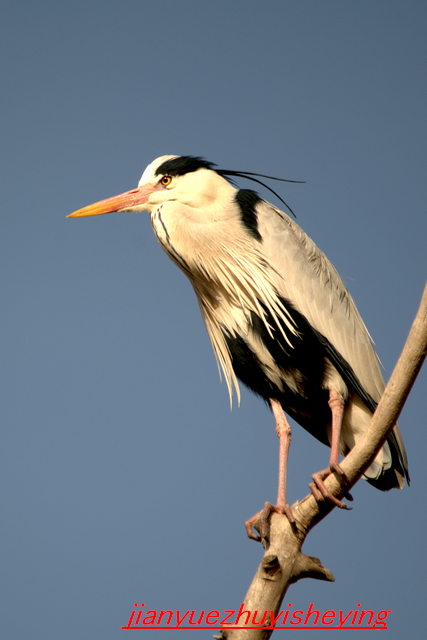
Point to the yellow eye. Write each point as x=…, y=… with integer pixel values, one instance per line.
x=166, y=180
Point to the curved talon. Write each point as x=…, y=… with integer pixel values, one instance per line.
x=288, y=513
x=248, y=527
x=316, y=493
x=334, y=466
x=318, y=486
x=263, y=517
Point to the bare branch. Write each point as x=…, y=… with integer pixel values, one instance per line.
x=283, y=562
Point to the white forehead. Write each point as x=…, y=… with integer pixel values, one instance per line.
x=149, y=173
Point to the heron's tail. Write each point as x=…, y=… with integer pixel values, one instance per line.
x=392, y=474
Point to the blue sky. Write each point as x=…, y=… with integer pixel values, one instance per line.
x=125, y=478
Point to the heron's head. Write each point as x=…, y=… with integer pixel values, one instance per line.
x=186, y=180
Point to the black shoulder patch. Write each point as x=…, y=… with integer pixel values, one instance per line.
x=182, y=165
x=248, y=201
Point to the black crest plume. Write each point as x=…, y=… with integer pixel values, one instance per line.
x=187, y=164
x=249, y=176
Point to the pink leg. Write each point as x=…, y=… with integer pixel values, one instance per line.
x=283, y=431
x=318, y=488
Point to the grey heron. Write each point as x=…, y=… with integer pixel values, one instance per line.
x=278, y=315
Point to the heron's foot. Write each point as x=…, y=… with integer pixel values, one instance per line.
x=319, y=490
x=263, y=517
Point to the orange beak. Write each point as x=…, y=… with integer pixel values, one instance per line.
x=121, y=202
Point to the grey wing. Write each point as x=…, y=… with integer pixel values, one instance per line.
x=311, y=283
